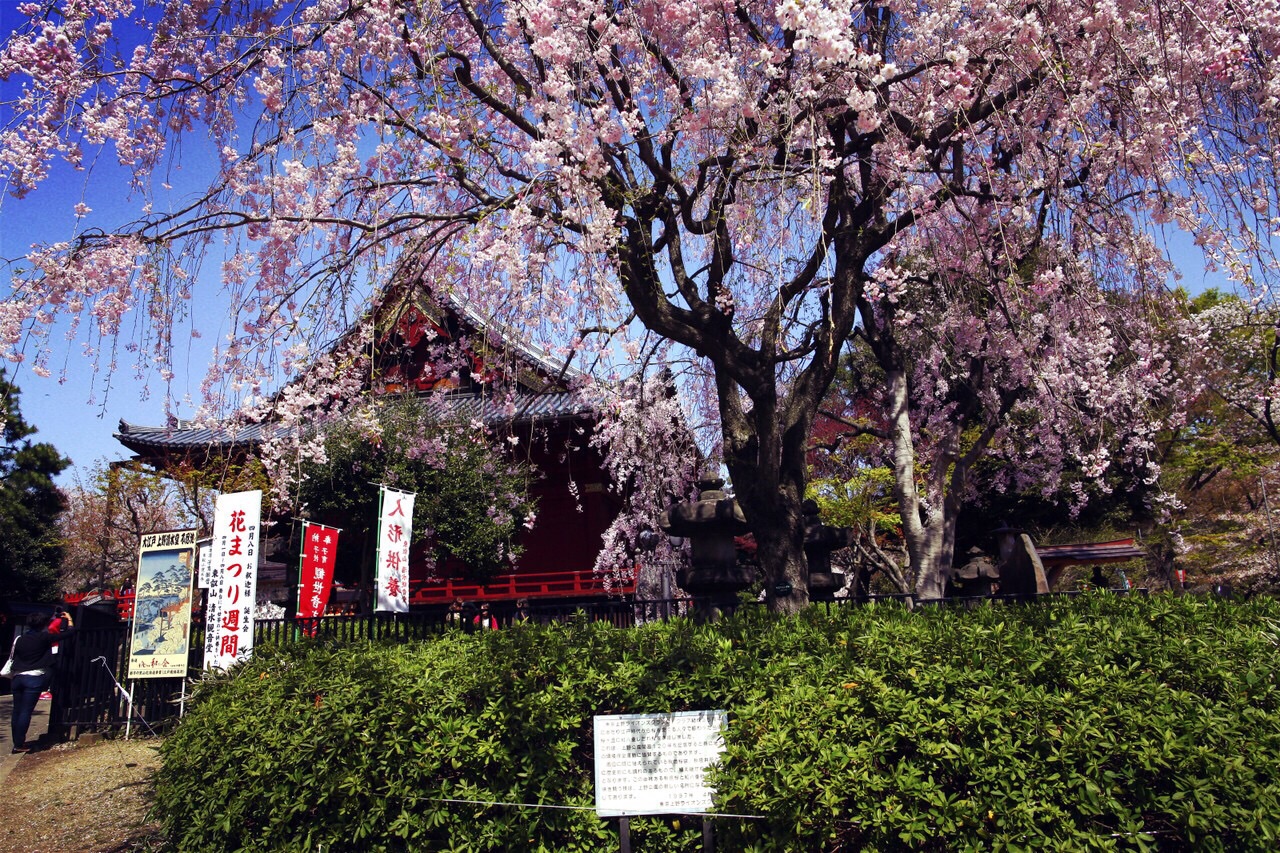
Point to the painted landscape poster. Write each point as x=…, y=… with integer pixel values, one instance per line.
x=162, y=606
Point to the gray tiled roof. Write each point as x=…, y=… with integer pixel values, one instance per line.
x=524, y=408
x=183, y=434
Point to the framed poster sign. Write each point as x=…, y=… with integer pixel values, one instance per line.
x=162, y=605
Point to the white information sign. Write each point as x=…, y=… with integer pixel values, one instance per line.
x=204, y=564
x=656, y=763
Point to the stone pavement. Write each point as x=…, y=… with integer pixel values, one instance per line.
x=39, y=725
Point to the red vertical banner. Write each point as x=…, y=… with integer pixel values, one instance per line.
x=319, y=550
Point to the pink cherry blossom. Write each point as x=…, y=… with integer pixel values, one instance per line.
x=750, y=182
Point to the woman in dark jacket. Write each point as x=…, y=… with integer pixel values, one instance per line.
x=33, y=664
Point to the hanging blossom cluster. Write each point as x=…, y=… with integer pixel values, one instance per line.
x=1049, y=371
x=647, y=447
x=332, y=386
x=340, y=163
x=102, y=287
x=347, y=385
x=1240, y=337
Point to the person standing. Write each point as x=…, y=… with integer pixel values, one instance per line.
x=485, y=621
x=454, y=618
x=522, y=612
x=33, y=663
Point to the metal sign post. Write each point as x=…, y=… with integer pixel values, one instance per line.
x=128, y=724
x=128, y=697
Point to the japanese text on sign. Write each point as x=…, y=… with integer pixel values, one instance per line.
x=394, y=527
x=656, y=763
x=319, y=550
x=168, y=539
x=232, y=594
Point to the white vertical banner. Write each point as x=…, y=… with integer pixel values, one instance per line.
x=395, y=523
x=237, y=523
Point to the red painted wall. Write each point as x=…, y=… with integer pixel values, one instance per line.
x=561, y=549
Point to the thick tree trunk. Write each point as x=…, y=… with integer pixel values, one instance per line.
x=765, y=441
x=776, y=520
x=766, y=462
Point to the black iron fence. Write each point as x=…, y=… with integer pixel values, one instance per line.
x=92, y=691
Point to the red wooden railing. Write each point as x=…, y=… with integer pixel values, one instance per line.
x=123, y=599
x=562, y=584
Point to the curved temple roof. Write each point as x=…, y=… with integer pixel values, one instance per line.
x=523, y=408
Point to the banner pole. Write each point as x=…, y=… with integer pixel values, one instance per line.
x=377, y=551
x=302, y=563
x=182, y=700
x=128, y=725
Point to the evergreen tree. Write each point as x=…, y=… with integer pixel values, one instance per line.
x=29, y=506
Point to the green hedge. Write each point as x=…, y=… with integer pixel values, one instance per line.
x=1096, y=723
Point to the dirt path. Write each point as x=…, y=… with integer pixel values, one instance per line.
x=80, y=798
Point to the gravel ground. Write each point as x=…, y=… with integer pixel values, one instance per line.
x=80, y=798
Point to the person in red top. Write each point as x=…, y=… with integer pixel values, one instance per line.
x=485, y=620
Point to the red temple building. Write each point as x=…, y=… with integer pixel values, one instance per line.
x=511, y=389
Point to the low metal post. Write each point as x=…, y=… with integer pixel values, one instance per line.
x=128, y=724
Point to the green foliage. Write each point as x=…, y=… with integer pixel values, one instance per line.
x=1104, y=724
x=862, y=501
x=1099, y=723
x=29, y=506
x=472, y=502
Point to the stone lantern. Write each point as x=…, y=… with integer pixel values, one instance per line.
x=710, y=523
x=1021, y=570
x=978, y=576
x=819, y=541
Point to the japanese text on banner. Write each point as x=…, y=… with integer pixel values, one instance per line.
x=395, y=524
x=315, y=579
x=237, y=522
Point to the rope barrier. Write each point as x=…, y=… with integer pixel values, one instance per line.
x=489, y=803
x=127, y=698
